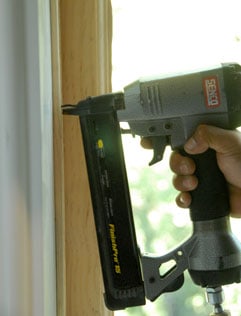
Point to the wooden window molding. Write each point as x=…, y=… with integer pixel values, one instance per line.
x=81, y=53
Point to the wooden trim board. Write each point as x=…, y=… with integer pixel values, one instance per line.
x=81, y=52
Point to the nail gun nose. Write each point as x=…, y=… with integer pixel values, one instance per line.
x=215, y=297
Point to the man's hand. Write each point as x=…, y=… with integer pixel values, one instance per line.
x=227, y=145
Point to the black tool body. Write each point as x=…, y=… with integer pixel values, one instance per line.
x=167, y=110
x=111, y=201
x=216, y=258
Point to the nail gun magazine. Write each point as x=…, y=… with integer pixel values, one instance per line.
x=167, y=110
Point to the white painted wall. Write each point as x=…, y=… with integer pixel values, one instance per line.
x=27, y=261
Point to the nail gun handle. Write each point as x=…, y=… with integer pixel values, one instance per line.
x=210, y=200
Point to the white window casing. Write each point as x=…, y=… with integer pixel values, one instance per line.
x=27, y=252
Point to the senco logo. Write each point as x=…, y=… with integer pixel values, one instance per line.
x=211, y=92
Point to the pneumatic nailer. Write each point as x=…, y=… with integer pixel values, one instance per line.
x=167, y=110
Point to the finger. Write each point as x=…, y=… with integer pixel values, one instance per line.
x=205, y=136
x=185, y=183
x=146, y=143
x=183, y=200
x=181, y=165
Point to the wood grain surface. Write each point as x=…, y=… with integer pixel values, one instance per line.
x=81, y=32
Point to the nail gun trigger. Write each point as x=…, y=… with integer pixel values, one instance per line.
x=159, y=144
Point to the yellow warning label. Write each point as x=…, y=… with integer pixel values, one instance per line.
x=100, y=143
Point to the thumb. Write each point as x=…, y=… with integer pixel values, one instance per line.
x=221, y=140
